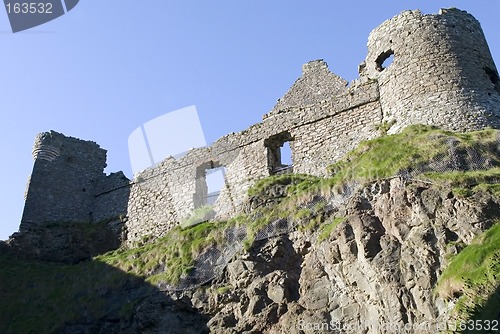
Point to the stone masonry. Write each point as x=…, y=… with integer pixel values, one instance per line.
x=68, y=184
x=442, y=73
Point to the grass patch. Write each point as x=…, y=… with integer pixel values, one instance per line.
x=415, y=146
x=467, y=183
x=326, y=229
x=385, y=126
x=472, y=276
x=199, y=215
x=296, y=184
x=224, y=289
x=169, y=258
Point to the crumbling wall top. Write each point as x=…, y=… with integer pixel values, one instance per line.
x=316, y=84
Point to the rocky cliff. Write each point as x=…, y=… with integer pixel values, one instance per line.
x=377, y=269
x=379, y=266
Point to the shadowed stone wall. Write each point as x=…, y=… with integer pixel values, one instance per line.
x=68, y=183
x=62, y=184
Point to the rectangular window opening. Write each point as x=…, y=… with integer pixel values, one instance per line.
x=209, y=183
x=279, y=154
x=215, y=183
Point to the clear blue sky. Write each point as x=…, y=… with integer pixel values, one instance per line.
x=107, y=67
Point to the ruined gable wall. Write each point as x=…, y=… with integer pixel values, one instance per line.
x=316, y=84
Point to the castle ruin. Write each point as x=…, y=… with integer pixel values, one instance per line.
x=442, y=74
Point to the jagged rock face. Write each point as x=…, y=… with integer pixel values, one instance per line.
x=379, y=266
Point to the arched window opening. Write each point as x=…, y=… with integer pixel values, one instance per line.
x=384, y=60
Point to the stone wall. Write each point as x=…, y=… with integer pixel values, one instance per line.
x=325, y=132
x=319, y=135
x=150, y=205
x=442, y=74
x=163, y=196
x=111, y=197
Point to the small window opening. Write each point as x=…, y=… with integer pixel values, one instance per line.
x=384, y=60
x=493, y=75
x=279, y=154
x=209, y=183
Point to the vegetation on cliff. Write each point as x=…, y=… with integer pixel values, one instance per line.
x=473, y=276
x=172, y=257
x=424, y=148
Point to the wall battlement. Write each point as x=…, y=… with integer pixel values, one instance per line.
x=442, y=73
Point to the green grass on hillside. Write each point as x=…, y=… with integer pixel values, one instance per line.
x=415, y=146
x=472, y=276
x=297, y=183
x=169, y=258
x=470, y=182
x=327, y=228
x=199, y=215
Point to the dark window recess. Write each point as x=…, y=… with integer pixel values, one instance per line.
x=493, y=75
x=209, y=182
x=279, y=153
x=384, y=60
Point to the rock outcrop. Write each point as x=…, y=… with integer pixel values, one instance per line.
x=377, y=268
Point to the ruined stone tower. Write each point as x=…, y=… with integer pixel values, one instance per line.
x=62, y=184
x=68, y=183
x=442, y=71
